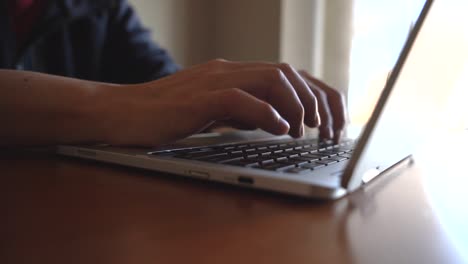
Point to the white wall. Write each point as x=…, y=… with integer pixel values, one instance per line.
x=195, y=31
x=310, y=34
x=316, y=35
x=181, y=26
x=336, y=43
x=247, y=29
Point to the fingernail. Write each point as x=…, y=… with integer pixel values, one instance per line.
x=317, y=120
x=283, y=126
x=301, y=130
x=330, y=133
x=326, y=133
x=337, y=136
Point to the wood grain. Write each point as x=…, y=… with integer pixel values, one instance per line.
x=64, y=210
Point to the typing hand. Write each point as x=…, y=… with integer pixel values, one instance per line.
x=332, y=108
x=273, y=97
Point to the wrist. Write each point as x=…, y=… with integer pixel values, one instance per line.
x=111, y=112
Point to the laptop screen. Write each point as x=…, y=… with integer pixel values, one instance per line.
x=392, y=132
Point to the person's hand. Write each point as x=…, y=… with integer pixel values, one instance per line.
x=332, y=108
x=272, y=97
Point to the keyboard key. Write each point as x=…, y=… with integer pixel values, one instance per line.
x=268, y=161
x=292, y=156
x=300, y=158
x=219, y=159
x=266, y=153
x=339, y=159
x=312, y=166
x=276, y=166
x=337, y=151
x=184, y=150
x=298, y=170
x=257, y=153
x=165, y=153
x=298, y=152
x=169, y=152
x=329, y=153
x=310, y=149
x=242, y=163
x=236, y=152
x=261, y=152
x=314, y=156
x=345, y=155
x=225, y=155
x=278, y=157
x=326, y=161
x=229, y=148
x=249, y=150
x=262, y=160
x=343, y=149
x=196, y=151
x=297, y=161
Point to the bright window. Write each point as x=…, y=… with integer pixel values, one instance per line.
x=379, y=32
x=380, y=29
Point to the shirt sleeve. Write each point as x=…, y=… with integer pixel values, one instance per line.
x=130, y=55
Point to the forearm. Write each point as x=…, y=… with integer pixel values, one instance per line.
x=40, y=109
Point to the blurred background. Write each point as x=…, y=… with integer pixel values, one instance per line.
x=350, y=44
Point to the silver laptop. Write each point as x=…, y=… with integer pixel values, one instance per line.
x=304, y=167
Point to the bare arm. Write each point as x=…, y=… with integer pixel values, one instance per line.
x=40, y=109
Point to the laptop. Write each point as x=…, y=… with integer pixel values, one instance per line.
x=305, y=167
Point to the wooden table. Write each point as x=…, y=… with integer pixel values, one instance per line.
x=63, y=210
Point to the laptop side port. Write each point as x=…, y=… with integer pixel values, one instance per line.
x=245, y=180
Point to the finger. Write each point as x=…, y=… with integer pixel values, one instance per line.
x=239, y=106
x=337, y=104
x=270, y=85
x=326, y=118
x=307, y=97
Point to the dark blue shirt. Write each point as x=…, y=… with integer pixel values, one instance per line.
x=100, y=40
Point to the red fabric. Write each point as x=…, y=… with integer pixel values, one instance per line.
x=24, y=14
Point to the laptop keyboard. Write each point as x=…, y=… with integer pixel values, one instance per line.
x=290, y=156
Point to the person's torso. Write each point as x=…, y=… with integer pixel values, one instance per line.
x=66, y=38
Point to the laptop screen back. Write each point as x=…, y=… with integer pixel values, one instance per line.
x=418, y=101
x=393, y=131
